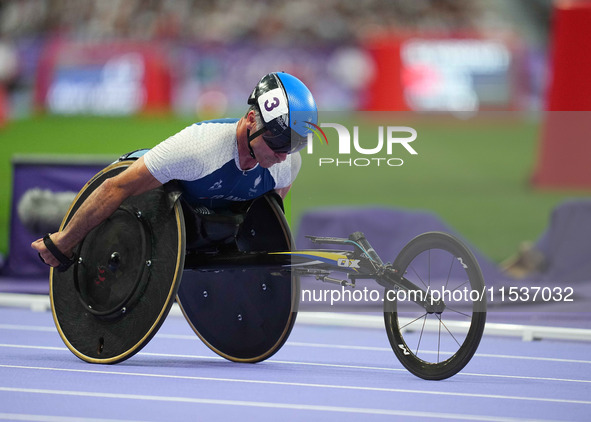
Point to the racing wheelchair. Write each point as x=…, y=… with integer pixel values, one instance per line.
x=240, y=286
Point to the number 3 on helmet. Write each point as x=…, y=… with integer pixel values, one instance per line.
x=286, y=107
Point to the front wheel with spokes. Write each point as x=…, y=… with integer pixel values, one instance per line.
x=437, y=342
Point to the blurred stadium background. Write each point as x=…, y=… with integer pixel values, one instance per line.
x=473, y=76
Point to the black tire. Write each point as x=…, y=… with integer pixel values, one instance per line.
x=440, y=263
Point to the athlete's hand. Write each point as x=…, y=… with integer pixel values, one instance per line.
x=45, y=254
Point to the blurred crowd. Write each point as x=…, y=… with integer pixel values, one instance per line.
x=297, y=33
x=295, y=21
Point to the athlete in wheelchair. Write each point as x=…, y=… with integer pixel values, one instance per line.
x=205, y=205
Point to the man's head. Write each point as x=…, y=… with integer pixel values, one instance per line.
x=283, y=106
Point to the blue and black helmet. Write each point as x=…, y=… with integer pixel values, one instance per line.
x=286, y=107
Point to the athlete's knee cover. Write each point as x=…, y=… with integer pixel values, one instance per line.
x=207, y=228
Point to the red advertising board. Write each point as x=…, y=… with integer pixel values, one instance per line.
x=102, y=78
x=564, y=150
x=441, y=74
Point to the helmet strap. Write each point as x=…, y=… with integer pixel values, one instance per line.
x=250, y=138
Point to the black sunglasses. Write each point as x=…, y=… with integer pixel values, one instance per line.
x=278, y=143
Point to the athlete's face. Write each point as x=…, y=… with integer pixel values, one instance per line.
x=265, y=155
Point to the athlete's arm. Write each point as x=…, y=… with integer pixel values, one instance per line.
x=283, y=191
x=103, y=202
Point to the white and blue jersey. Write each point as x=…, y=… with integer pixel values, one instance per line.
x=204, y=158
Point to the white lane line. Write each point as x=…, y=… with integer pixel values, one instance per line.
x=268, y=405
x=319, y=345
x=304, y=384
x=389, y=349
x=49, y=418
x=25, y=346
x=326, y=365
x=27, y=327
x=339, y=319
